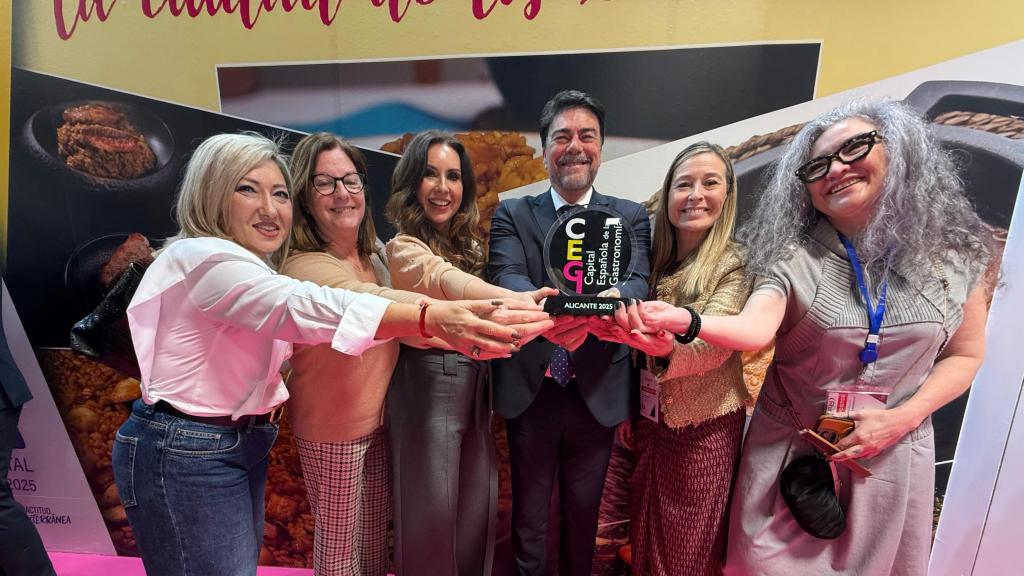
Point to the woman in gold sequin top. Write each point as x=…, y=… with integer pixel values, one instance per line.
x=687, y=450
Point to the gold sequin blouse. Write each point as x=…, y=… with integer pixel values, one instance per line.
x=699, y=381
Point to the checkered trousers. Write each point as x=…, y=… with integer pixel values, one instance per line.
x=350, y=495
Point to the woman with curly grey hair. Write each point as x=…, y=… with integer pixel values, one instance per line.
x=869, y=262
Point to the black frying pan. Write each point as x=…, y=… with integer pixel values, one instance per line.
x=40, y=137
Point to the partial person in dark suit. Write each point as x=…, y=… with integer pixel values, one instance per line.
x=561, y=420
x=21, y=549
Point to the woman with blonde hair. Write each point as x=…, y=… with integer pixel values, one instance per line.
x=686, y=452
x=212, y=323
x=438, y=413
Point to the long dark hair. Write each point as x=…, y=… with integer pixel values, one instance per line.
x=463, y=245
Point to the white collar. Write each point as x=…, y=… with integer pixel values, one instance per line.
x=559, y=201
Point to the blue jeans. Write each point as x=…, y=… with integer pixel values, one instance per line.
x=193, y=492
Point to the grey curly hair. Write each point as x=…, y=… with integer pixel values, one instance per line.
x=922, y=212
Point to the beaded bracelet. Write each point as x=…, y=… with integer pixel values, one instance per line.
x=423, y=319
x=693, y=330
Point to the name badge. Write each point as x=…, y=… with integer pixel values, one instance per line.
x=841, y=402
x=649, y=392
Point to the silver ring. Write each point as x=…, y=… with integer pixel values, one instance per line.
x=475, y=352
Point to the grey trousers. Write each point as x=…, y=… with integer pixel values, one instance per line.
x=444, y=464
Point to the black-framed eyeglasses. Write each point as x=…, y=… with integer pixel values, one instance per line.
x=852, y=150
x=325, y=184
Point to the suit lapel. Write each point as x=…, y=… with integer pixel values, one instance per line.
x=543, y=212
x=599, y=199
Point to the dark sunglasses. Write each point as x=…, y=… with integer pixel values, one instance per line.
x=852, y=150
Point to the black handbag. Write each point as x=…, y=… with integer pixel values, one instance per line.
x=808, y=487
x=809, y=484
x=103, y=335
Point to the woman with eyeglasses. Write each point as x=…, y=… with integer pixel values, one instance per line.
x=438, y=408
x=869, y=263
x=212, y=322
x=337, y=400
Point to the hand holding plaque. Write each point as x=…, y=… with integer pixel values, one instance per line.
x=588, y=250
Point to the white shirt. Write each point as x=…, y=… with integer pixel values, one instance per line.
x=559, y=201
x=212, y=324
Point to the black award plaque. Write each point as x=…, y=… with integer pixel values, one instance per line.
x=587, y=251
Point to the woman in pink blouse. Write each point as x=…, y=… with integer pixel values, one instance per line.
x=211, y=323
x=438, y=414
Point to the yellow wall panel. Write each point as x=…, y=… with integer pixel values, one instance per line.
x=174, y=58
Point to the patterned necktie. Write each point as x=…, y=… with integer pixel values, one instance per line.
x=561, y=365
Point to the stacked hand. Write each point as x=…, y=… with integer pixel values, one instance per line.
x=486, y=329
x=570, y=332
x=531, y=296
x=539, y=295
x=658, y=315
x=528, y=318
x=646, y=326
x=628, y=327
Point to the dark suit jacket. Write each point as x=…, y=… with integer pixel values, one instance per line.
x=13, y=389
x=604, y=372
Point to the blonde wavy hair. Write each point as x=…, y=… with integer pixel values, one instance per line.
x=701, y=264
x=213, y=172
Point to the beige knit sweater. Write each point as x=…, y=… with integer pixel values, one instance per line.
x=415, y=267
x=700, y=381
x=336, y=397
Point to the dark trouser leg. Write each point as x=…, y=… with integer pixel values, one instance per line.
x=533, y=439
x=583, y=458
x=21, y=549
x=431, y=410
x=478, y=485
x=418, y=430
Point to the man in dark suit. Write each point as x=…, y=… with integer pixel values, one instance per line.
x=21, y=550
x=562, y=395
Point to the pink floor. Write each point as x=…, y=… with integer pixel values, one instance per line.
x=66, y=564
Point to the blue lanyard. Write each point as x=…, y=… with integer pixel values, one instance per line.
x=870, y=352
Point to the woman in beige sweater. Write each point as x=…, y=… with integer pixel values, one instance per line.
x=686, y=452
x=438, y=414
x=337, y=399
